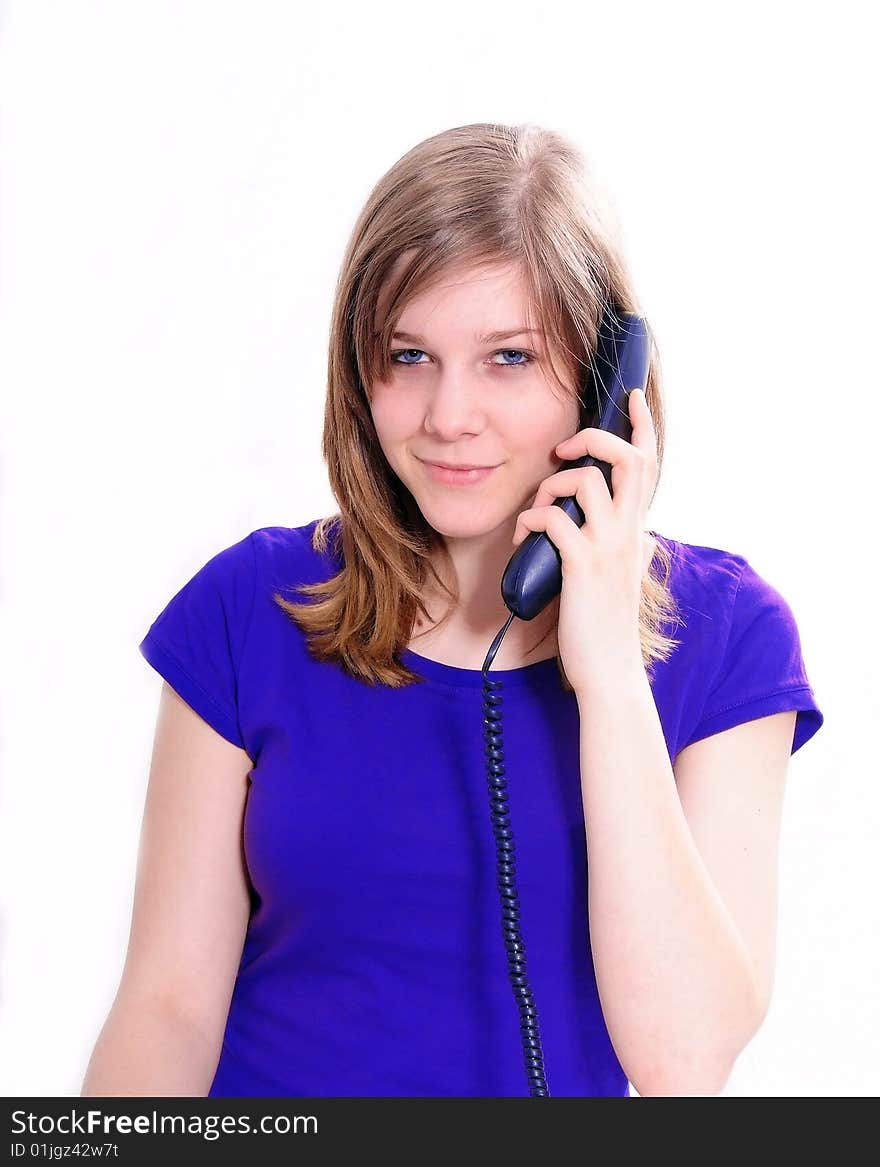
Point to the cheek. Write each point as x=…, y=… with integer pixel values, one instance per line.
x=383, y=422
x=393, y=431
x=536, y=443
x=391, y=417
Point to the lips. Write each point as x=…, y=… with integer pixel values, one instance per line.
x=456, y=475
x=451, y=466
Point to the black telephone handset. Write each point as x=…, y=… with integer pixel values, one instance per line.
x=532, y=578
x=534, y=575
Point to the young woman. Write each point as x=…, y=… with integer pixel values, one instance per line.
x=316, y=907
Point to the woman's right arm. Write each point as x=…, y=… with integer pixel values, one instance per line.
x=164, y=1031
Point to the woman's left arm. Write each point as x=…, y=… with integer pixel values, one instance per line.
x=681, y=862
x=682, y=882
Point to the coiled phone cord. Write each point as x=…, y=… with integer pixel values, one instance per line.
x=513, y=941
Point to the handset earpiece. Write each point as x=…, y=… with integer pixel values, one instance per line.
x=533, y=577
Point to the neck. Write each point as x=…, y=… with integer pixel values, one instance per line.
x=481, y=611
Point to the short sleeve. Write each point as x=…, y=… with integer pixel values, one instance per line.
x=196, y=641
x=761, y=669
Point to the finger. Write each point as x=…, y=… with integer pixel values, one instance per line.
x=562, y=531
x=645, y=437
x=600, y=443
x=587, y=484
x=633, y=464
x=628, y=464
x=610, y=447
x=564, y=483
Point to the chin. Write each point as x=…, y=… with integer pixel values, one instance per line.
x=467, y=519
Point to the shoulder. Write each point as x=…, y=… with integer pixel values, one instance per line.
x=274, y=555
x=287, y=556
x=722, y=597
x=699, y=568
x=704, y=582
x=718, y=575
x=733, y=612
x=742, y=651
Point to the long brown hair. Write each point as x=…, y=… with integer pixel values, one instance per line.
x=475, y=194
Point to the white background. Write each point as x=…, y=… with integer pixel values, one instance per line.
x=179, y=180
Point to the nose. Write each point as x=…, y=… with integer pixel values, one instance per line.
x=453, y=406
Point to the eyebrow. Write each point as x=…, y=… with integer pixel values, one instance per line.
x=489, y=338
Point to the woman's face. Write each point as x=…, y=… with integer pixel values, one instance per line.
x=458, y=398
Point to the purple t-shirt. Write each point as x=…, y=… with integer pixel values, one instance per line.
x=373, y=963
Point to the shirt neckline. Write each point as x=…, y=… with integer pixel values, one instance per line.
x=540, y=671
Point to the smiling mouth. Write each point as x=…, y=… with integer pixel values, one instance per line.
x=456, y=476
x=453, y=466
x=459, y=469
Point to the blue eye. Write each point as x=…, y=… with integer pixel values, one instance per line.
x=527, y=357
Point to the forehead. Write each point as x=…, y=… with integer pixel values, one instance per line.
x=484, y=284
